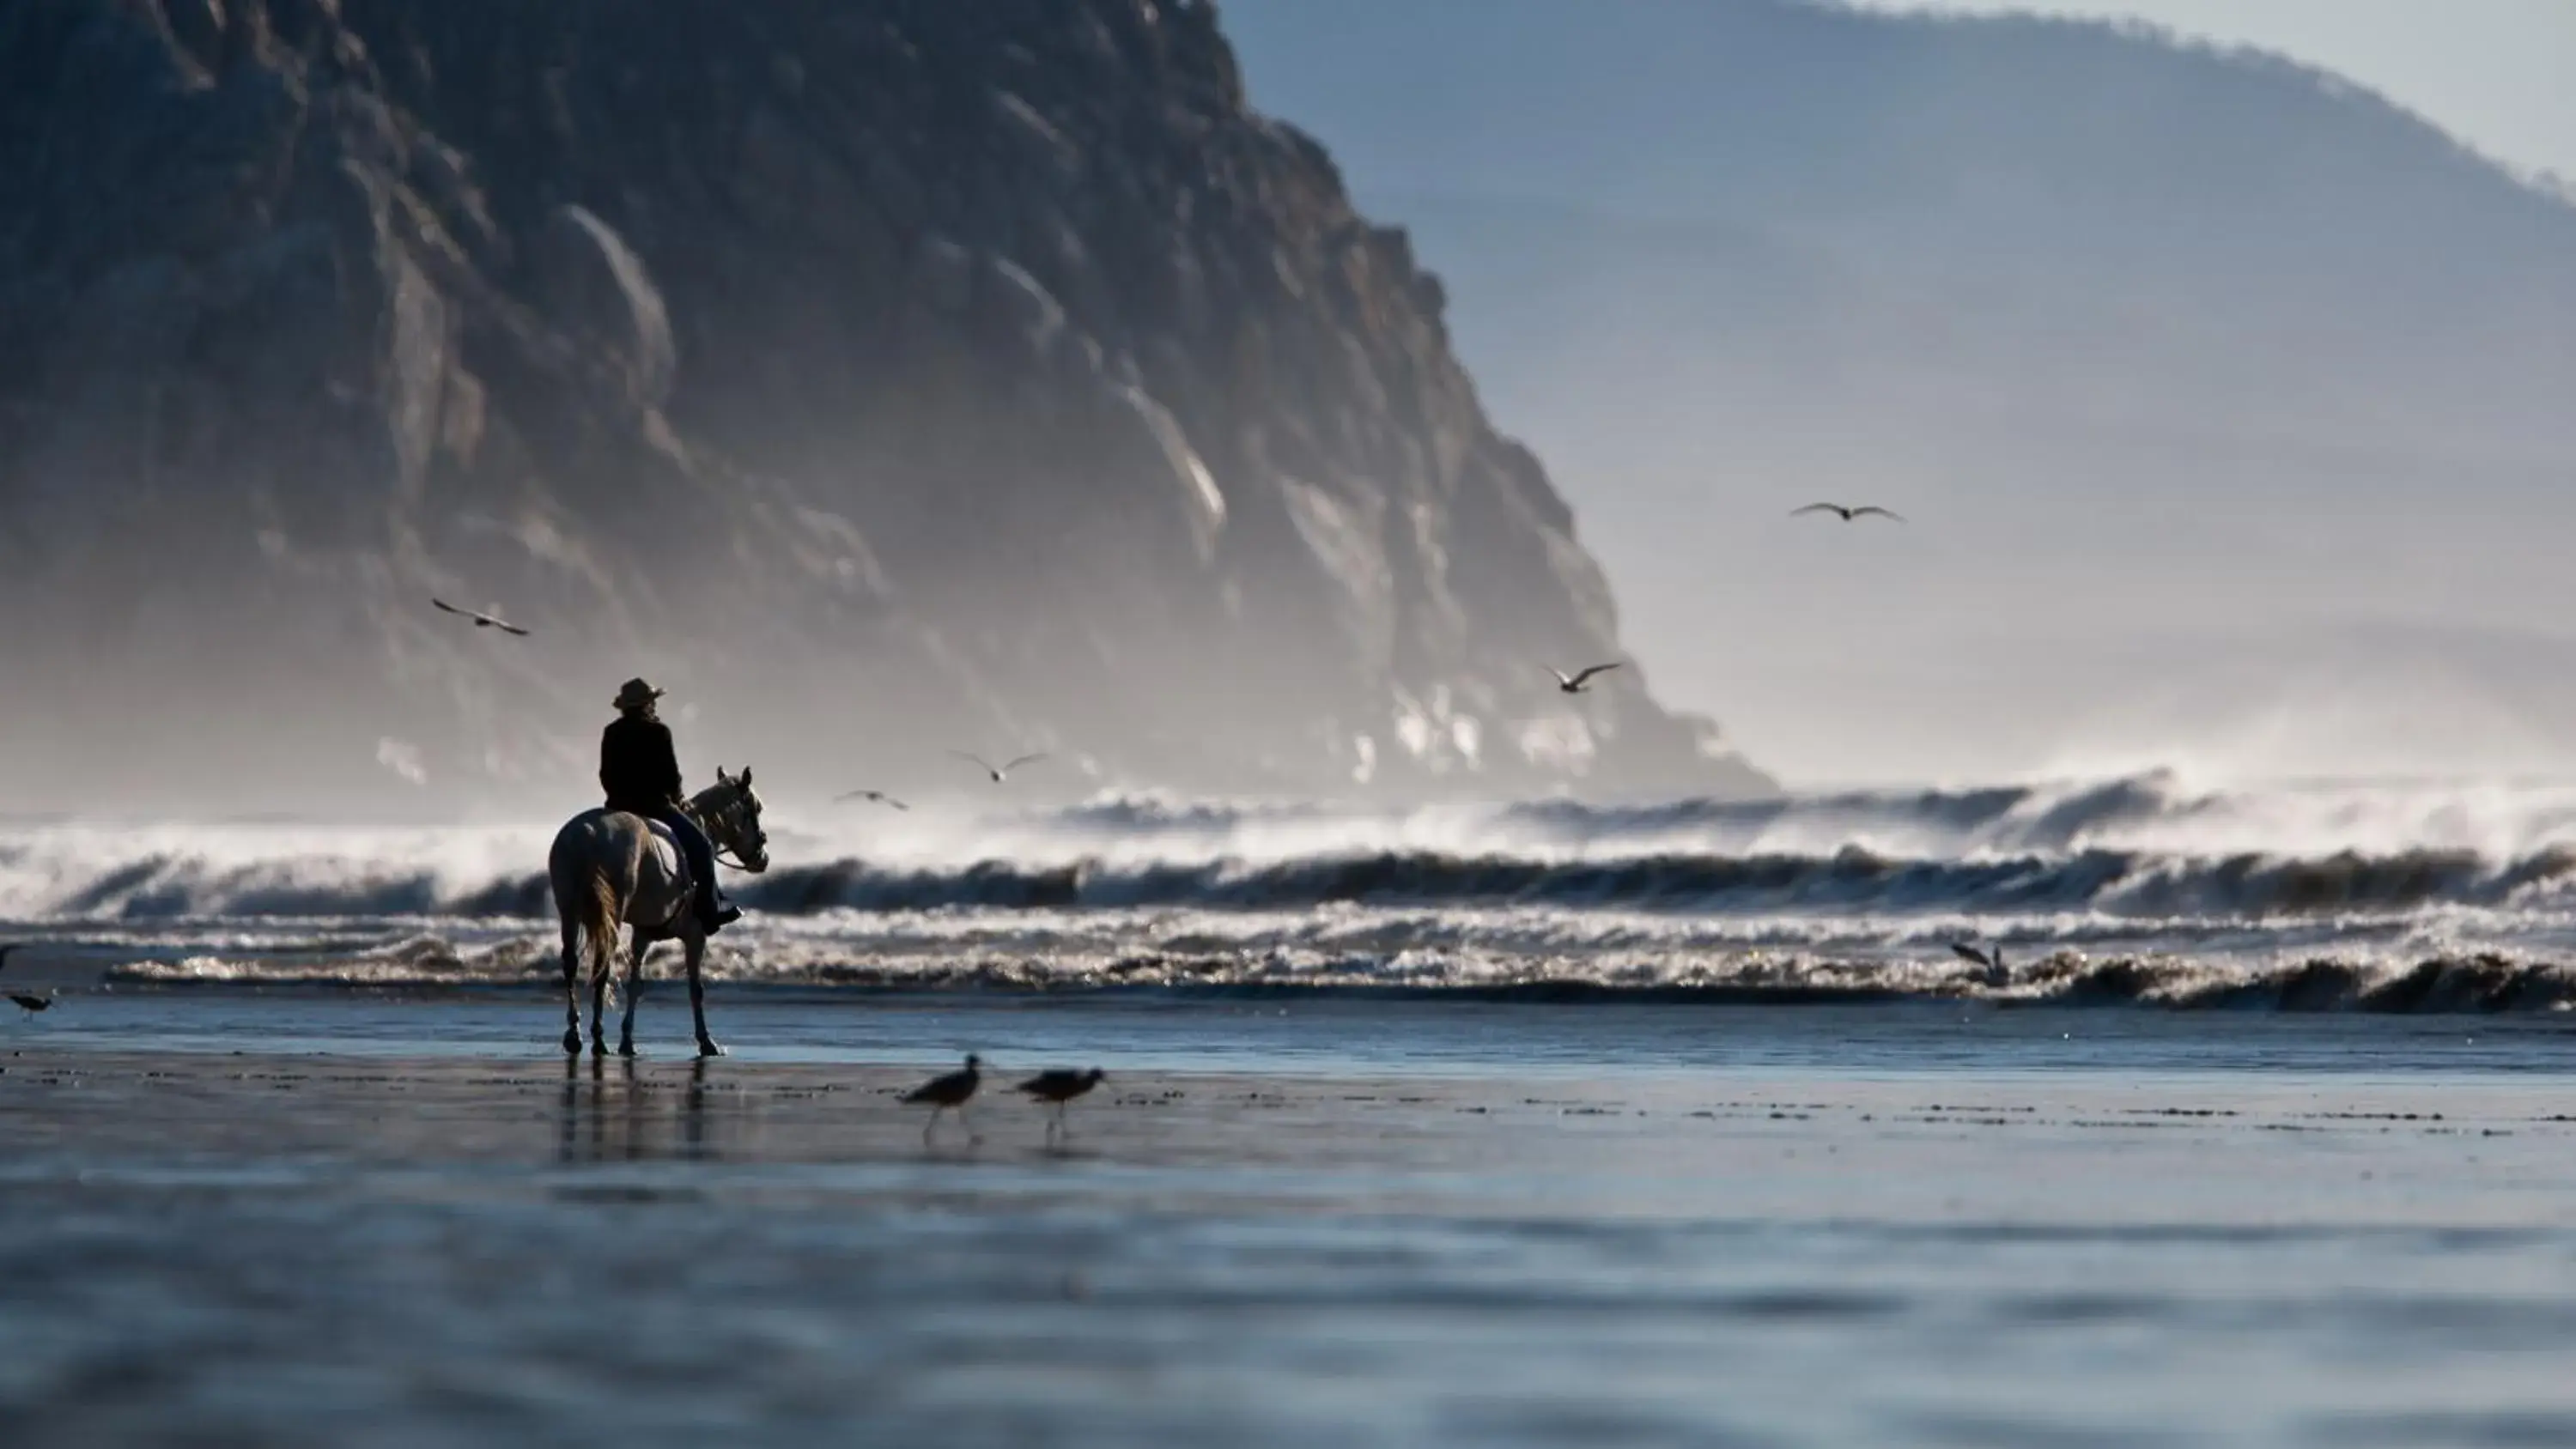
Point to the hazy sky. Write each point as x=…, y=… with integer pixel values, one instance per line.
x=2075, y=595
x=2500, y=74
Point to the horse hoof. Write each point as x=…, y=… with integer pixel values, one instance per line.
x=626, y=1049
x=572, y=1042
x=708, y=1048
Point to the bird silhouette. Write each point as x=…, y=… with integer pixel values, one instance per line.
x=951, y=1091
x=998, y=771
x=878, y=796
x=31, y=1004
x=481, y=619
x=1574, y=683
x=1991, y=958
x=1058, y=1088
x=1849, y=514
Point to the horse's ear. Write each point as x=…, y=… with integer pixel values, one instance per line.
x=745, y=781
x=721, y=777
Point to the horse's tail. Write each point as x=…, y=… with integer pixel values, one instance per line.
x=598, y=906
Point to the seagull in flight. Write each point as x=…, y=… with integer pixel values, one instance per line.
x=998, y=771
x=481, y=619
x=878, y=796
x=1849, y=514
x=1992, y=958
x=1574, y=683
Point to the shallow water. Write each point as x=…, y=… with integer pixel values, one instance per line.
x=407, y=1220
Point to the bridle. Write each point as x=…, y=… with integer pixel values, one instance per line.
x=729, y=821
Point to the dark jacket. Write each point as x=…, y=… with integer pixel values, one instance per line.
x=636, y=765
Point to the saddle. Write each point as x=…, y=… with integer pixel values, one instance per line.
x=667, y=851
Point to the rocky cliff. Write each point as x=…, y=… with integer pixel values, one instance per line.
x=879, y=376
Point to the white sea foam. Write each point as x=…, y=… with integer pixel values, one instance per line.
x=1804, y=895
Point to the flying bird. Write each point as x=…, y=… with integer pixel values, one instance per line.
x=1574, y=683
x=1058, y=1088
x=481, y=619
x=1849, y=514
x=998, y=771
x=1992, y=958
x=951, y=1091
x=31, y=1004
x=877, y=796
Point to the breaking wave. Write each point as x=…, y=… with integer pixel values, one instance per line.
x=2475, y=983
x=2368, y=896
x=1853, y=880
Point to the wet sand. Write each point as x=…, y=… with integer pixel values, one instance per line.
x=318, y=1248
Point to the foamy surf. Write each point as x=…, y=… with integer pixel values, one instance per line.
x=2410, y=896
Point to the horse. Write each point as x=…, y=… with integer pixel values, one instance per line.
x=610, y=868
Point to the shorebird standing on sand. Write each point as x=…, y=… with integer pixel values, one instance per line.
x=1849, y=514
x=32, y=1004
x=952, y=1090
x=1576, y=683
x=998, y=771
x=481, y=619
x=1058, y=1088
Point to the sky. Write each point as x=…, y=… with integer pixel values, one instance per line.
x=1612, y=194
x=2500, y=74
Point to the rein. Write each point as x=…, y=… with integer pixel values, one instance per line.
x=725, y=853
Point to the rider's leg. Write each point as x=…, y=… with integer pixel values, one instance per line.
x=713, y=913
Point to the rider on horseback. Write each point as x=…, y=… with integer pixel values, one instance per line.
x=641, y=774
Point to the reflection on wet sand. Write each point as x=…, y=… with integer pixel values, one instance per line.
x=633, y=1114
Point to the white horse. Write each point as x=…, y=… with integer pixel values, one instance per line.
x=611, y=868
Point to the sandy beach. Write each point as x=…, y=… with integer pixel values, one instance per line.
x=314, y=1246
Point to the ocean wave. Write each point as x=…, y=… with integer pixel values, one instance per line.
x=1853, y=880
x=2138, y=846
x=2449, y=984
x=1850, y=880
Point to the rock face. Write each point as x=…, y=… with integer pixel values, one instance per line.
x=877, y=375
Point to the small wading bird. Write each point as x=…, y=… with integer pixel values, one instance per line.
x=998, y=771
x=1575, y=683
x=1058, y=1089
x=31, y=1004
x=1849, y=515
x=481, y=619
x=877, y=796
x=941, y=1094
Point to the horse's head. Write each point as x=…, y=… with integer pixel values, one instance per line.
x=730, y=812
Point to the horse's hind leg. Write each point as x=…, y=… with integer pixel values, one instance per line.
x=695, y=941
x=599, y=1003
x=572, y=992
x=634, y=975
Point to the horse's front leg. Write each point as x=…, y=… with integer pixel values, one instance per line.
x=695, y=941
x=634, y=974
x=572, y=992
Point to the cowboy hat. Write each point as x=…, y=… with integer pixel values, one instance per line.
x=636, y=694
